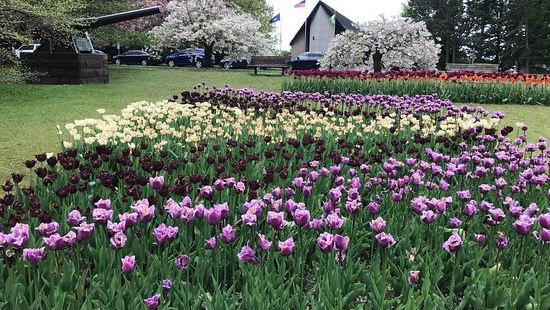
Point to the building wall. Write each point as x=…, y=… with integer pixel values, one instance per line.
x=321, y=31
x=299, y=45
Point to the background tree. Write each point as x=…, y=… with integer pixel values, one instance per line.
x=211, y=24
x=444, y=20
x=383, y=43
x=508, y=32
x=527, y=34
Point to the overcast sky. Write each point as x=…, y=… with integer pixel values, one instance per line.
x=356, y=10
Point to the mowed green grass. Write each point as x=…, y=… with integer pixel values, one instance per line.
x=29, y=113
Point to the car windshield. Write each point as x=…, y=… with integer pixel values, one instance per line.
x=26, y=48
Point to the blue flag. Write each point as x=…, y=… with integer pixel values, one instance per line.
x=275, y=18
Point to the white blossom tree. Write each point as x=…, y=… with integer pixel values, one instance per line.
x=383, y=43
x=213, y=25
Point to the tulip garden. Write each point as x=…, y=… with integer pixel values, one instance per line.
x=223, y=198
x=467, y=86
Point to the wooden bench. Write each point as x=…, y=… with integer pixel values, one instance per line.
x=265, y=62
x=476, y=67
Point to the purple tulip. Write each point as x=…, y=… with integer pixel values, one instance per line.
x=152, y=302
x=206, y=192
x=455, y=222
x=263, y=243
x=156, y=182
x=378, y=225
x=325, y=241
x=276, y=220
x=523, y=225
x=341, y=242
x=219, y=184
x=166, y=285
x=182, y=261
x=187, y=215
x=353, y=206
x=19, y=235
x=286, y=247
x=428, y=217
x=298, y=182
x=453, y=244
x=128, y=263
x=173, y=208
x=34, y=256
x=69, y=239
x=544, y=220
x=470, y=209
x=186, y=202
x=248, y=255
x=213, y=216
x=385, y=240
x=164, y=233
x=118, y=241
x=502, y=241
x=316, y=224
x=114, y=228
x=199, y=211
x=74, y=218
x=84, y=231
x=334, y=195
x=301, y=217
x=497, y=214
x=47, y=229
x=144, y=210
x=53, y=242
x=373, y=208
x=129, y=219
x=249, y=219
x=239, y=187
x=544, y=235
x=479, y=238
x=210, y=244
x=464, y=195
x=414, y=277
x=103, y=204
x=334, y=221
x=102, y=216
x=228, y=234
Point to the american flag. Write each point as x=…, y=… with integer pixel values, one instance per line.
x=301, y=4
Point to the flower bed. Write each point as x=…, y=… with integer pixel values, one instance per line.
x=292, y=200
x=456, y=86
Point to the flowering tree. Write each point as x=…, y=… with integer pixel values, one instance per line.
x=212, y=24
x=148, y=22
x=382, y=43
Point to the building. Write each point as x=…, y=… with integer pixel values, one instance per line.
x=320, y=30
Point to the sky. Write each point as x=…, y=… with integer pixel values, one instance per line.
x=356, y=10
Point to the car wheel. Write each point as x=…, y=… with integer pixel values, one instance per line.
x=227, y=65
x=198, y=64
x=144, y=62
x=118, y=62
x=171, y=63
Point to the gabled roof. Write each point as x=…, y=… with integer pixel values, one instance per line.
x=343, y=21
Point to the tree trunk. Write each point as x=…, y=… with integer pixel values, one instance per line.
x=208, y=48
x=377, y=61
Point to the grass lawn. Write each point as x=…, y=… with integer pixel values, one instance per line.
x=29, y=113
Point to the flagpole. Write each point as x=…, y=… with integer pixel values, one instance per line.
x=305, y=30
x=280, y=35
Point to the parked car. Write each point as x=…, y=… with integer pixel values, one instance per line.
x=27, y=48
x=137, y=57
x=234, y=63
x=307, y=60
x=187, y=57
